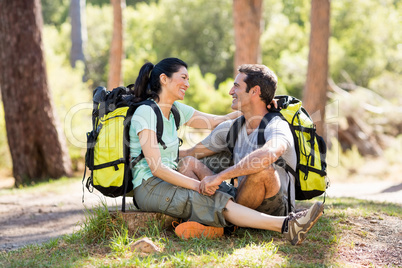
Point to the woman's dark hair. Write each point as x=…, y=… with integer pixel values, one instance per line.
x=148, y=84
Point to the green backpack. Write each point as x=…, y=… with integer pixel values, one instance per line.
x=310, y=173
x=108, y=143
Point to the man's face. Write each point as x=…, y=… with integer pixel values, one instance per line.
x=241, y=98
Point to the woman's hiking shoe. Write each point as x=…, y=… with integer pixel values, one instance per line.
x=190, y=229
x=298, y=224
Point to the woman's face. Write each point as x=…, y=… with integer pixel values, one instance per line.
x=178, y=84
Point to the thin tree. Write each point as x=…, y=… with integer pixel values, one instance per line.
x=315, y=91
x=247, y=27
x=116, y=50
x=78, y=31
x=37, y=146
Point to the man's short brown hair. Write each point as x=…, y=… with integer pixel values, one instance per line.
x=260, y=75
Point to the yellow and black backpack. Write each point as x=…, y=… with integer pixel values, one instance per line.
x=108, y=143
x=311, y=170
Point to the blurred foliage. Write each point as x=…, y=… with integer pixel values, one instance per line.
x=365, y=50
x=365, y=43
x=367, y=39
x=100, y=29
x=199, y=32
x=128, y=2
x=55, y=12
x=71, y=97
x=284, y=43
x=203, y=96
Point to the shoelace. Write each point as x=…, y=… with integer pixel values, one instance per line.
x=290, y=217
x=297, y=215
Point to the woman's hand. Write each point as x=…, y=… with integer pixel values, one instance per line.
x=273, y=103
x=209, y=185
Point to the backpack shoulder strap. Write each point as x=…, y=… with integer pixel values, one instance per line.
x=176, y=116
x=261, y=128
x=159, y=120
x=233, y=133
x=261, y=138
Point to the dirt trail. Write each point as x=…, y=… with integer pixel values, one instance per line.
x=381, y=191
x=38, y=216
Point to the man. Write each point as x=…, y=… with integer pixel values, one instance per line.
x=262, y=185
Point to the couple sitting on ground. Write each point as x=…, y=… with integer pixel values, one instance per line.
x=190, y=190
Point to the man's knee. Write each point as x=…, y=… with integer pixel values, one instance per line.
x=269, y=171
x=266, y=175
x=257, y=187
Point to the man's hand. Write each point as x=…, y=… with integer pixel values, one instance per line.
x=209, y=185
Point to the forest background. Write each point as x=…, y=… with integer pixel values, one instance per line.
x=365, y=65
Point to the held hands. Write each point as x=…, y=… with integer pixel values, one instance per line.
x=209, y=185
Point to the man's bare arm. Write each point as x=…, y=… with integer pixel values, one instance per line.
x=253, y=163
x=257, y=160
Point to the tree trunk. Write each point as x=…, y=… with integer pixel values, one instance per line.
x=116, y=50
x=315, y=91
x=37, y=147
x=247, y=27
x=78, y=31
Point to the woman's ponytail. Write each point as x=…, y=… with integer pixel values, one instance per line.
x=142, y=87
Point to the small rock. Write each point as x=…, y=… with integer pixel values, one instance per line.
x=145, y=245
x=373, y=221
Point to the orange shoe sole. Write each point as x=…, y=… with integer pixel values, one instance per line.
x=193, y=229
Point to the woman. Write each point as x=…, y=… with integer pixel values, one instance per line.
x=158, y=187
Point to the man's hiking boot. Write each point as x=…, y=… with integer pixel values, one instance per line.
x=189, y=229
x=298, y=224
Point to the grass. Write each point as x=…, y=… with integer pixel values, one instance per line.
x=104, y=241
x=44, y=186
